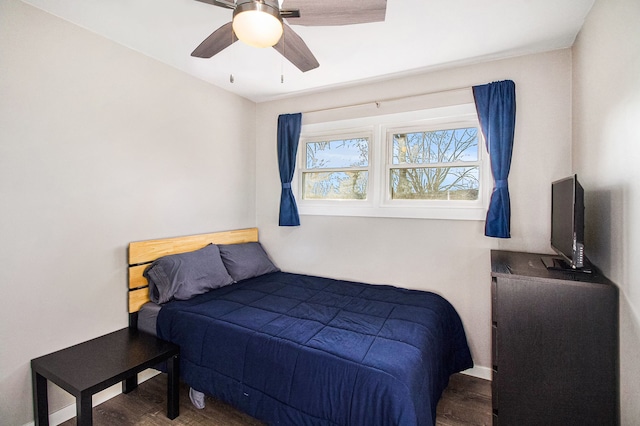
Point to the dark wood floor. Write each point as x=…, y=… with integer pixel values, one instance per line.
x=466, y=401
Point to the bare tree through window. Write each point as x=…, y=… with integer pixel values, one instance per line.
x=337, y=169
x=430, y=165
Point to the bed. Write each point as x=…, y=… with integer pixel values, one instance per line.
x=294, y=349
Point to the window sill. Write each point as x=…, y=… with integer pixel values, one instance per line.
x=399, y=212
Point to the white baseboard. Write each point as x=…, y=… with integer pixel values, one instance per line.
x=479, y=371
x=69, y=411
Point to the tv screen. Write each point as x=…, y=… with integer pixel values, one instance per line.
x=567, y=221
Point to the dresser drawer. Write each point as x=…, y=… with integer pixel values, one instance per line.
x=494, y=299
x=494, y=346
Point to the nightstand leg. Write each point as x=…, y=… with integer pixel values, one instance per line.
x=40, y=400
x=173, y=388
x=84, y=416
x=130, y=384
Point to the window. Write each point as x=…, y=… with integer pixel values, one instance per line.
x=336, y=168
x=434, y=164
x=420, y=164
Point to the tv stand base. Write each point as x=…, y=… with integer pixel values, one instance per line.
x=559, y=264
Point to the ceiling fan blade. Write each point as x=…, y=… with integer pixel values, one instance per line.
x=219, y=40
x=337, y=12
x=289, y=13
x=222, y=3
x=292, y=47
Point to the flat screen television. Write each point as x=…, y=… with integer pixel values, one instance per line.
x=567, y=225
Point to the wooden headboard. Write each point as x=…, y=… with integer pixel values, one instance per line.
x=142, y=253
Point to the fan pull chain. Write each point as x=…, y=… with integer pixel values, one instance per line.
x=231, y=79
x=282, y=61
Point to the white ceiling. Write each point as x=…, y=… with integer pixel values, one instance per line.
x=417, y=35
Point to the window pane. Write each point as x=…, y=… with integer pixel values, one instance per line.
x=441, y=146
x=338, y=153
x=435, y=183
x=350, y=185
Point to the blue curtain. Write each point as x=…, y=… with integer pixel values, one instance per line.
x=496, y=107
x=288, y=135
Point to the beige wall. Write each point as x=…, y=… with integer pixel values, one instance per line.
x=99, y=146
x=606, y=155
x=448, y=257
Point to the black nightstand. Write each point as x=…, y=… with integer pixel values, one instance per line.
x=92, y=366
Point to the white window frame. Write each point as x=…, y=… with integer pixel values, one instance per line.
x=379, y=202
x=330, y=136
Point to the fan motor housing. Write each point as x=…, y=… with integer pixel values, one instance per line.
x=268, y=6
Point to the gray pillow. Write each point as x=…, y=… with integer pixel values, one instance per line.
x=246, y=260
x=182, y=276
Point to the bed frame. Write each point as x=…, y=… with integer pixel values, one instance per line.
x=142, y=253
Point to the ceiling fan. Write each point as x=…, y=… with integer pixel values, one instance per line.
x=260, y=23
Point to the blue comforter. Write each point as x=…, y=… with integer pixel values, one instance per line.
x=299, y=350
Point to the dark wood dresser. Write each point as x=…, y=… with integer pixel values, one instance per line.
x=555, y=344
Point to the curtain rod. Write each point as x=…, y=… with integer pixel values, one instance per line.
x=378, y=102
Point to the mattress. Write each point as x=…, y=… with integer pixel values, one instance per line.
x=302, y=350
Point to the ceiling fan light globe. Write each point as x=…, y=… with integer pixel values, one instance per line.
x=257, y=28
